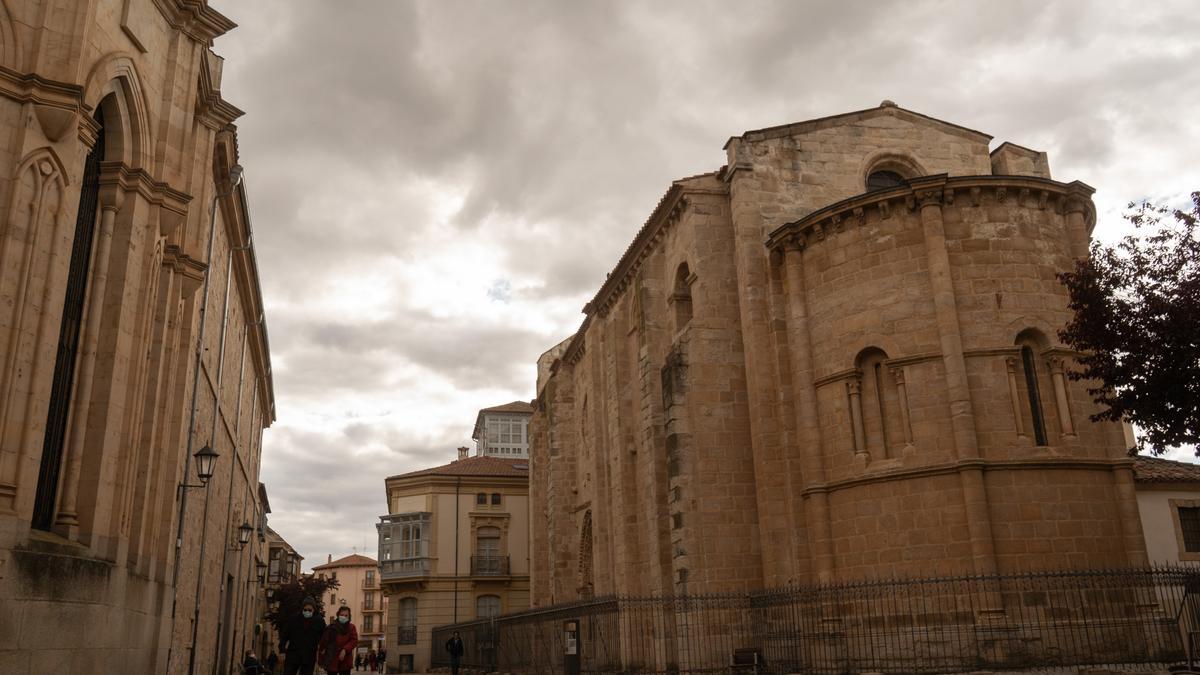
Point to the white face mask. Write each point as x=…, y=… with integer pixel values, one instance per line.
x=343, y=619
x=307, y=613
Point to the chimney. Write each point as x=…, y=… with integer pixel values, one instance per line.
x=463, y=452
x=328, y=557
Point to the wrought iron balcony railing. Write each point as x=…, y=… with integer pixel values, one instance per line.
x=489, y=565
x=406, y=635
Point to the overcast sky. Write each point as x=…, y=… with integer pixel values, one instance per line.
x=438, y=187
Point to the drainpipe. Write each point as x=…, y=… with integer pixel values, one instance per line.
x=235, y=177
x=457, y=502
x=241, y=601
x=233, y=463
x=212, y=433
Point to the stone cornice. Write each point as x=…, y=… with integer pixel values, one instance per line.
x=946, y=468
x=33, y=88
x=1040, y=193
x=213, y=111
x=195, y=19
x=140, y=181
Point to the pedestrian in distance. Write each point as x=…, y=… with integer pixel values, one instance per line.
x=358, y=661
x=272, y=661
x=300, y=638
x=371, y=660
x=336, y=652
x=381, y=660
x=454, y=647
x=250, y=664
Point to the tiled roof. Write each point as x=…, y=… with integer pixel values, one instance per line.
x=476, y=466
x=514, y=407
x=352, y=560
x=1159, y=470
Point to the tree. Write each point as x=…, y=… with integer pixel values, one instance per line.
x=1137, y=323
x=289, y=598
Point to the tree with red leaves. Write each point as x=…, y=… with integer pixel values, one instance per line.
x=1137, y=324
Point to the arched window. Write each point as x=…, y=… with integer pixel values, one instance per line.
x=71, y=326
x=487, y=606
x=681, y=296
x=875, y=409
x=884, y=180
x=1031, y=342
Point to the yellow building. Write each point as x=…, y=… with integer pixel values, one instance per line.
x=358, y=589
x=454, y=546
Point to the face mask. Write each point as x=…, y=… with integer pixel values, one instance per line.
x=307, y=613
x=343, y=619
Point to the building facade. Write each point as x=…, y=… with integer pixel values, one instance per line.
x=833, y=358
x=454, y=546
x=1168, y=495
x=503, y=430
x=358, y=589
x=131, y=339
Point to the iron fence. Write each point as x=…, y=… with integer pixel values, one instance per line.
x=1130, y=618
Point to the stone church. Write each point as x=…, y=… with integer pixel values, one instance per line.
x=132, y=345
x=833, y=358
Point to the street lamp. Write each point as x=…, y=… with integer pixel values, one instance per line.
x=244, y=533
x=206, y=459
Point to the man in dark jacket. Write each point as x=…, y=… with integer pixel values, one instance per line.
x=299, y=639
x=454, y=647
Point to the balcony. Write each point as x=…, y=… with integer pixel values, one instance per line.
x=406, y=635
x=404, y=568
x=489, y=566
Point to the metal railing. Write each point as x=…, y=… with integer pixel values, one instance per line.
x=489, y=565
x=406, y=635
x=1131, y=618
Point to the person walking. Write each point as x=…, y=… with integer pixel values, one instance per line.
x=454, y=647
x=272, y=662
x=371, y=660
x=336, y=652
x=299, y=638
x=381, y=660
x=358, y=661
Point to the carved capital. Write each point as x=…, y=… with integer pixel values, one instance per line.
x=854, y=386
x=929, y=198
x=1010, y=363
x=897, y=375
x=1055, y=364
x=794, y=243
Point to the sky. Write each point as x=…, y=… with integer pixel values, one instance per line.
x=438, y=187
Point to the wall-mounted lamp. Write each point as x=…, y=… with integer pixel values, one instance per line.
x=206, y=459
x=244, y=534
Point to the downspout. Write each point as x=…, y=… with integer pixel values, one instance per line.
x=229, y=504
x=212, y=432
x=457, y=504
x=182, y=492
x=241, y=601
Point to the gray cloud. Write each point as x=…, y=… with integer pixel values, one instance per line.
x=403, y=158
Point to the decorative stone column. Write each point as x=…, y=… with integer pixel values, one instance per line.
x=1055, y=364
x=67, y=520
x=854, y=389
x=808, y=429
x=905, y=420
x=1010, y=364
x=928, y=193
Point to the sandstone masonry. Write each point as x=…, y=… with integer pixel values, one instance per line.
x=833, y=358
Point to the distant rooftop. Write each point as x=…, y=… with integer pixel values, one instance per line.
x=352, y=560
x=1159, y=470
x=485, y=465
x=514, y=407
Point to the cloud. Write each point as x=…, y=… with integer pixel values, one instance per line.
x=439, y=186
